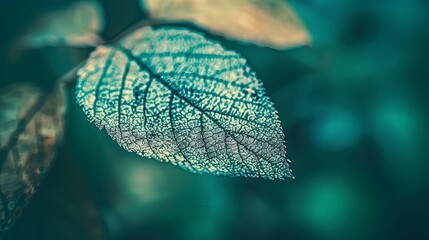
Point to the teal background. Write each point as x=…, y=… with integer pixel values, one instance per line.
x=354, y=108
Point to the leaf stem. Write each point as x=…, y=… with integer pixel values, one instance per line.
x=69, y=78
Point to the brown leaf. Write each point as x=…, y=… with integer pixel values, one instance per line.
x=31, y=129
x=64, y=208
x=270, y=23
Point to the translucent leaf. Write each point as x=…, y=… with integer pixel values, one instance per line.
x=271, y=23
x=77, y=25
x=173, y=95
x=31, y=129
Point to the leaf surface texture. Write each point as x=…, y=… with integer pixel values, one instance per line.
x=174, y=95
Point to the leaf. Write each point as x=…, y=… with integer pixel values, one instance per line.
x=173, y=95
x=31, y=130
x=270, y=23
x=77, y=25
x=64, y=208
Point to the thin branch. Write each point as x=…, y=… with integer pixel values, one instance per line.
x=69, y=78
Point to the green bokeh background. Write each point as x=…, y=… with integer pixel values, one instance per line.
x=353, y=108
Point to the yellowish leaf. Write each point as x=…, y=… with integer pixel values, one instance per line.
x=271, y=23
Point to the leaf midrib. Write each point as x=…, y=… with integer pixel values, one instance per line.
x=157, y=77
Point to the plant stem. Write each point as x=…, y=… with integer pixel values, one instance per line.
x=69, y=78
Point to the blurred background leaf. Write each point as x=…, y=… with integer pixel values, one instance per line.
x=269, y=23
x=77, y=25
x=63, y=209
x=32, y=129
